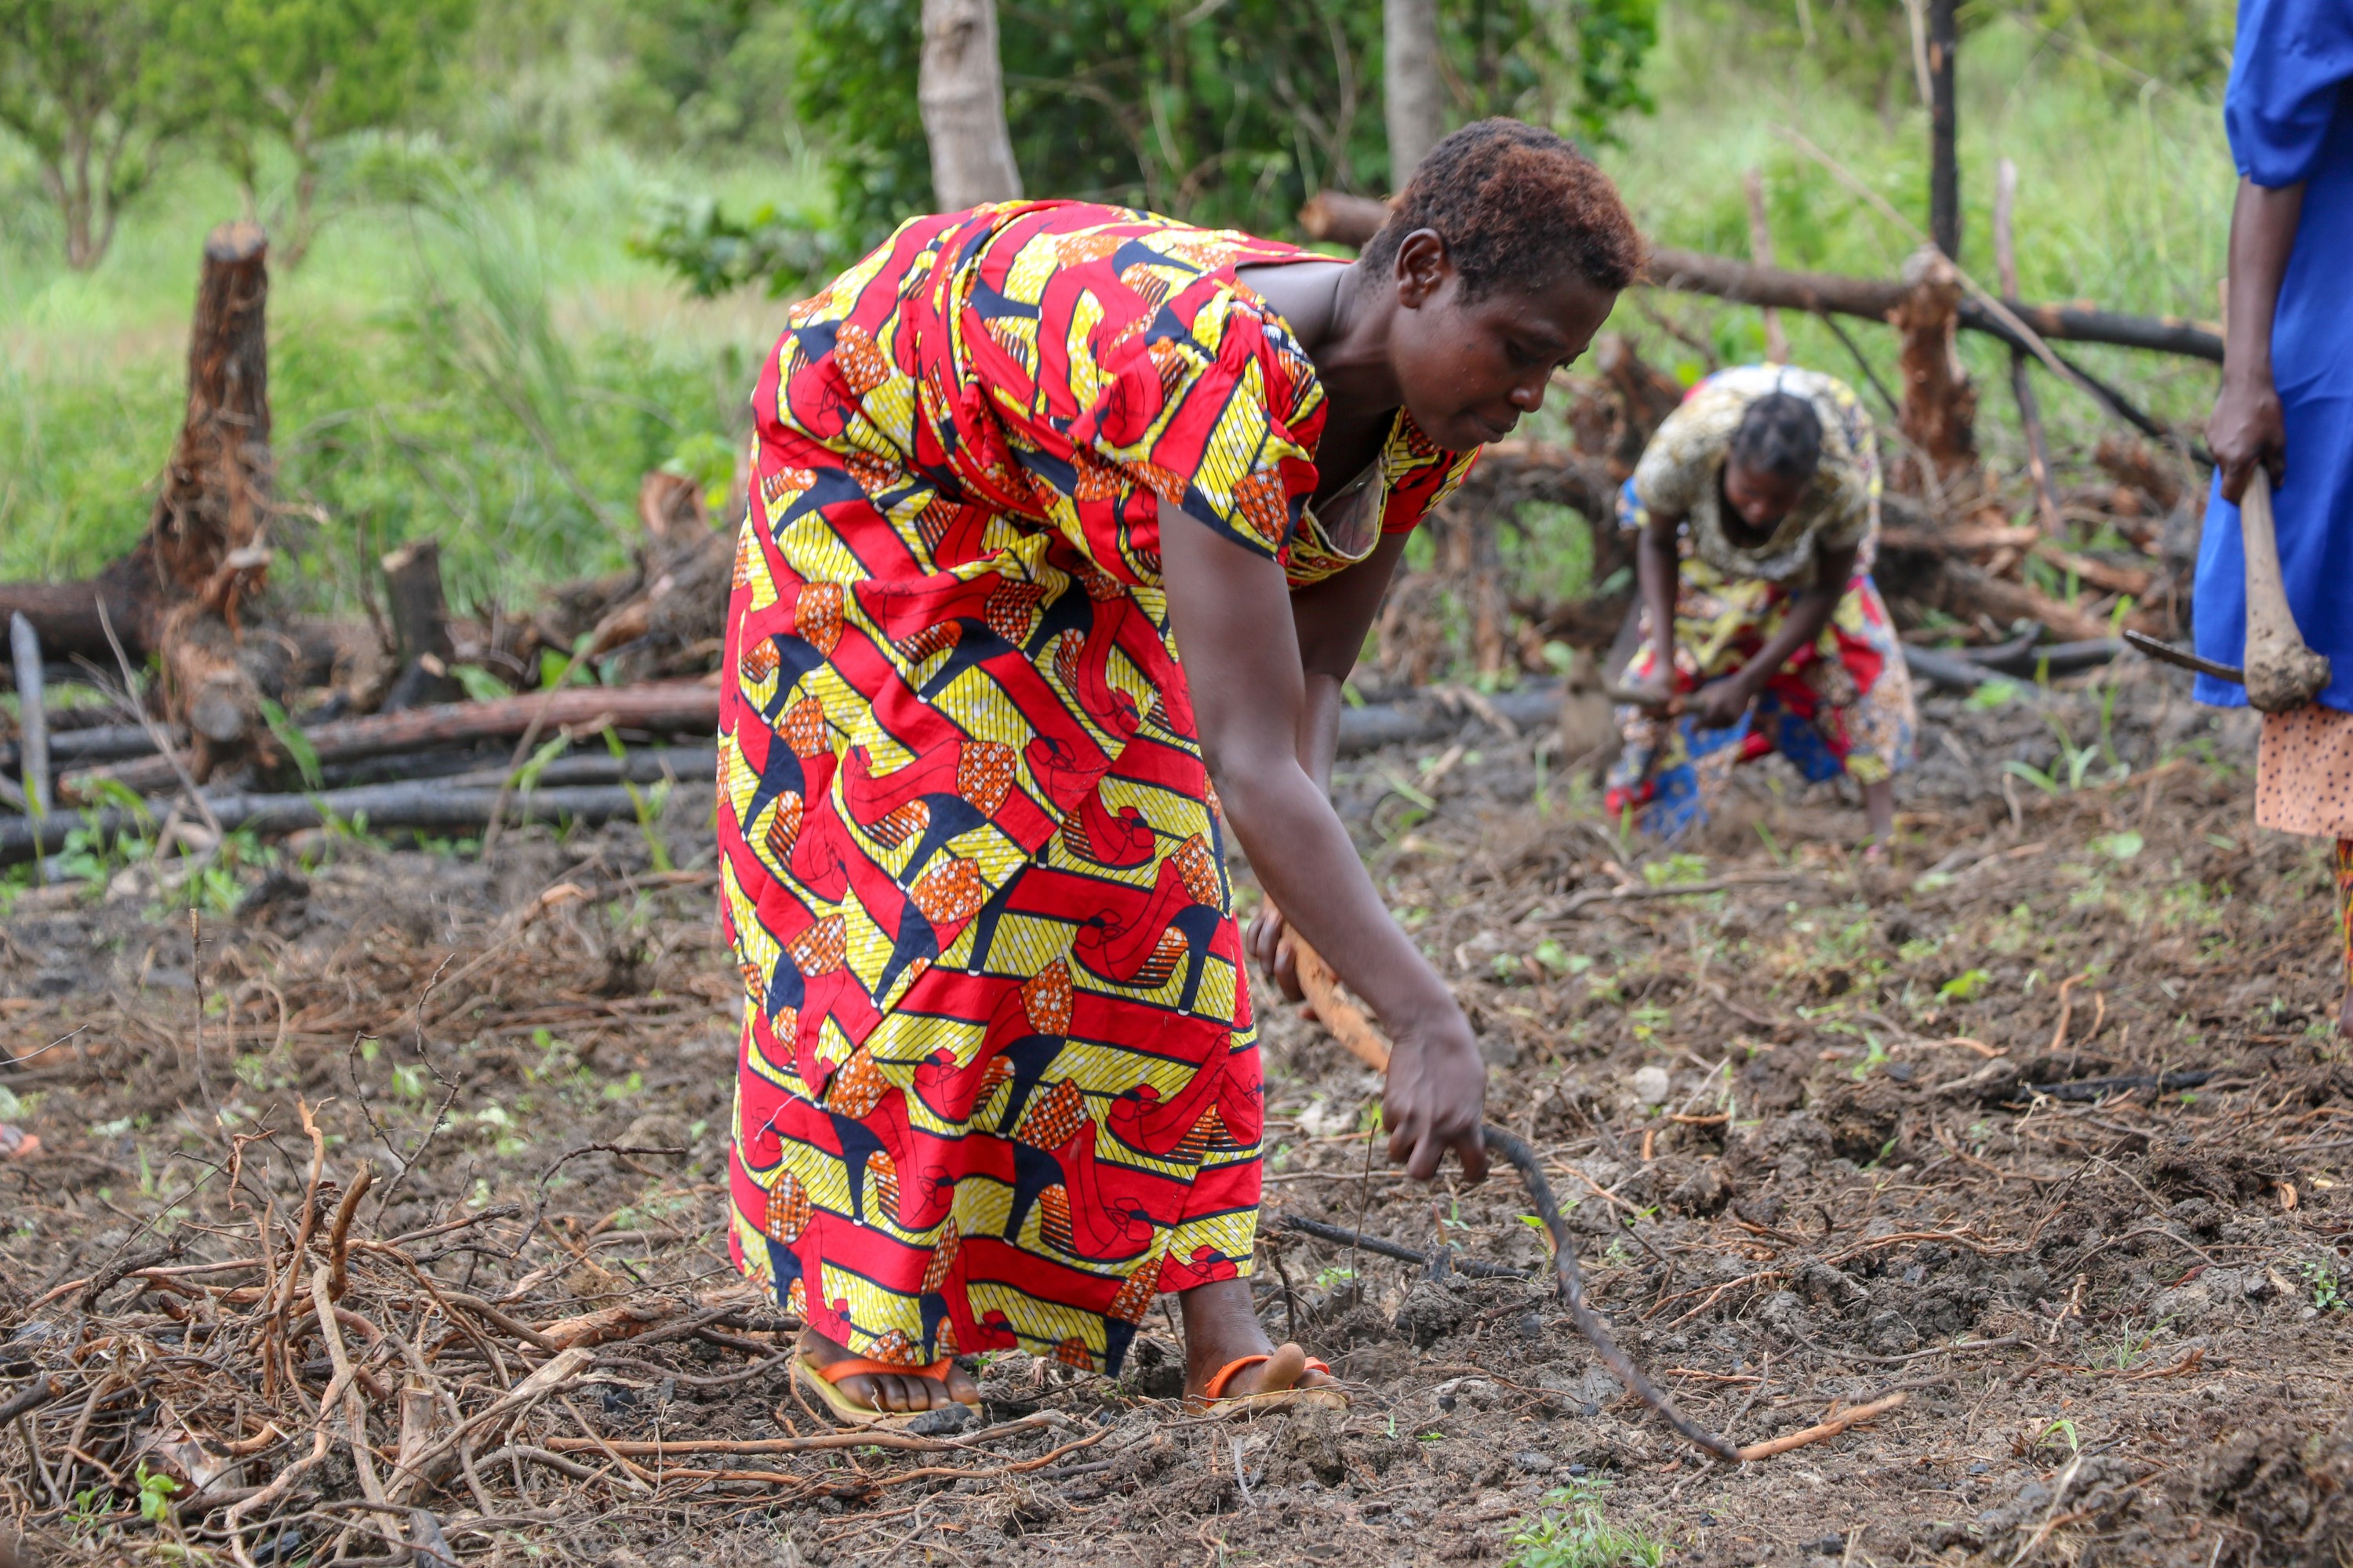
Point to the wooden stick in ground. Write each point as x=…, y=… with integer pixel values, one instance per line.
x=33, y=746
x=1355, y=1031
x=1760, y=251
x=2021, y=383
x=1815, y=1433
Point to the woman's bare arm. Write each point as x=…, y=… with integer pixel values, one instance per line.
x=1248, y=688
x=2246, y=427
x=1657, y=565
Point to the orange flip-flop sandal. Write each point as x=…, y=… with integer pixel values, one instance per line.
x=1321, y=1396
x=821, y=1381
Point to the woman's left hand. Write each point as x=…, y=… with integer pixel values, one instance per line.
x=1720, y=702
x=1269, y=942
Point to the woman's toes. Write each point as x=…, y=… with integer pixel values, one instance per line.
x=1282, y=1369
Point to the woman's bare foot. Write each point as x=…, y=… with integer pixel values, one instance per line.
x=894, y=1391
x=1221, y=1326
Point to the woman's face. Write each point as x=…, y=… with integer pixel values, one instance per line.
x=1760, y=497
x=1468, y=369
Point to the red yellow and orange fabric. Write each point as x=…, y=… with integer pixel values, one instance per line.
x=998, y=1082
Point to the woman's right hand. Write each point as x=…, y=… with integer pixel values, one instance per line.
x=1437, y=1093
x=2246, y=429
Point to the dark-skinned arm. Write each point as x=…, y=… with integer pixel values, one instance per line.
x=2246, y=427
x=1330, y=619
x=1226, y=607
x=1658, y=564
x=1720, y=702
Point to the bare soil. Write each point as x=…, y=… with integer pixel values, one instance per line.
x=1921, y=1131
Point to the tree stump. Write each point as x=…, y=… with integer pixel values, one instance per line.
x=206, y=545
x=189, y=591
x=1941, y=403
x=420, y=628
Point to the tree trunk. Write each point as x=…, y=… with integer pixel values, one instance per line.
x=1413, y=96
x=961, y=91
x=1944, y=159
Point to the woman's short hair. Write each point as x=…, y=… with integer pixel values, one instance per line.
x=1518, y=207
x=1780, y=434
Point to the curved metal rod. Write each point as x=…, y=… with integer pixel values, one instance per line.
x=1355, y=1031
x=1588, y=1322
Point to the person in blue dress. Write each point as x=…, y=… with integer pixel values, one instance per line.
x=2287, y=404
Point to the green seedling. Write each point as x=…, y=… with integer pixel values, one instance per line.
x=156, y=1490
x=1964, y=987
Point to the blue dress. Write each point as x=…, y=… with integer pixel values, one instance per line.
x=2289, y=114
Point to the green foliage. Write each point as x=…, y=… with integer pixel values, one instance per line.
x=706, y=73
x=305, y=72
x=86, y=84
x=713, y=253
x=1865, y=46
x=1223, y=113
x=1572, y=1531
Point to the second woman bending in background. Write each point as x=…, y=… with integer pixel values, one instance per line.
x=1758, y=507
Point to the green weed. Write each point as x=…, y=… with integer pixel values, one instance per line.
x=1572, y=1531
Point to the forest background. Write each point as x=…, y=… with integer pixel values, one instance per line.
x=524, y=250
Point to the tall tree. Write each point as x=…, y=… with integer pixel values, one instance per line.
x=1414, y=90
x=961, y=93
x=305, y=72
x=83, y=83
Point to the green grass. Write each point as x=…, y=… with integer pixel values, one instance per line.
x=477, y=355
x=2125, y=193
x=462, y=354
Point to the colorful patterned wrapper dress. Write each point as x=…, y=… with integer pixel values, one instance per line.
x=998, y=1082
x=1842, y=705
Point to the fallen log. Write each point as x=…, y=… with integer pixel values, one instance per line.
x=662, y=707
x=430, y=805
x=1966, y=671
x=1352, y=220
x=1370, y=729
x=638, y=765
